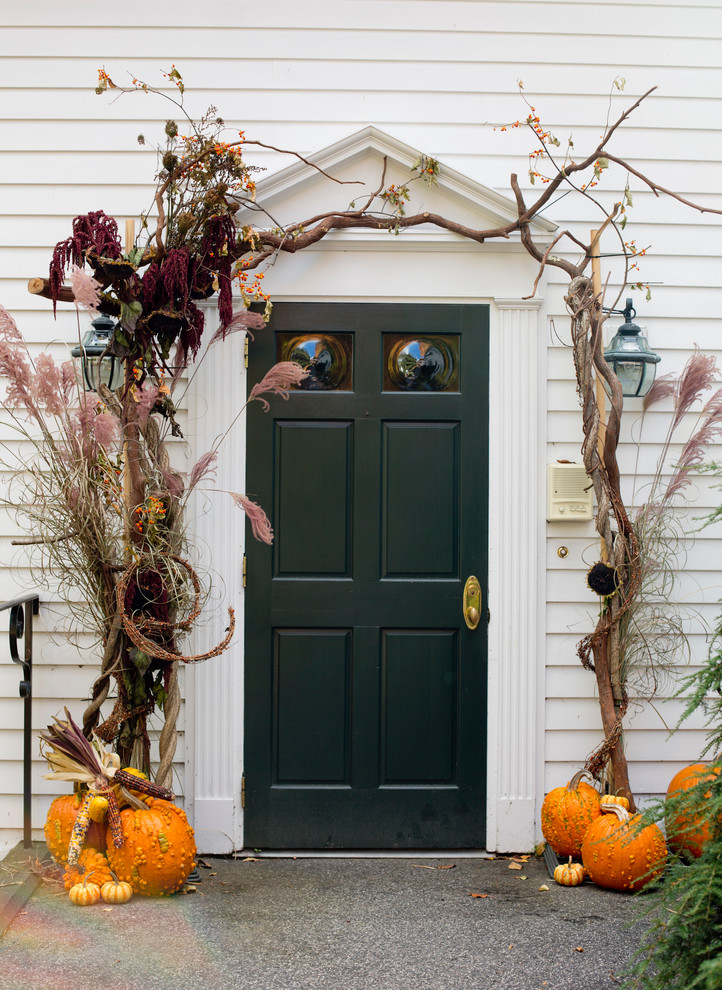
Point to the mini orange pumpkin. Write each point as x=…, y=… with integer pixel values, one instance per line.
x=158, y=850
x=618, y=857
x=59, y=827
x=567, y=813
x=569, y=874
x=686, y=832
x=116, y=891
x=84, y=894
x=615, y=799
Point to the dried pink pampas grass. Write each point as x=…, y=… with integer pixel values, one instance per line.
x=85, y=289
x=260, y=525
x=278, y=379
x=48, y=387
x=245, y=320
x=204, y=467
x=15, y=365
x=93, y=429
x=9, y=328
x=697, y=376
x=145, y=399
x=661, y=388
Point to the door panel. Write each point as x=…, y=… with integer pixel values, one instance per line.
x=419, y=521
x=365, y=690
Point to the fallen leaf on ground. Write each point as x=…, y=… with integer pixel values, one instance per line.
x=253, y=859
x=522, y=877
x=202, y=862
x=544, y=886
x=422, y=866
x=451, y=866
x=515, y=866
x=478, y=895
x=579, y=949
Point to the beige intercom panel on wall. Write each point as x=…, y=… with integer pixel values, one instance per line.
x=569, y=493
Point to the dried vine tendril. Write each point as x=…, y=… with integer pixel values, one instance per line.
x=134, y=626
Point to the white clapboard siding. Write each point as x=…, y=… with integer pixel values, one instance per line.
x=438, y=75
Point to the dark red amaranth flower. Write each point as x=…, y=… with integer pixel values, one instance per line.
x=190, y=336
x=94, y=232
x=174, y=273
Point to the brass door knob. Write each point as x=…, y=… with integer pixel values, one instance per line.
x=472, y=617
x=472, y=602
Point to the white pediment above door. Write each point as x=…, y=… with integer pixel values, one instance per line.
x=370, y=160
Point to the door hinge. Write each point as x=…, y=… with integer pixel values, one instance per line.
x=245, y=350
x=244, y=570
x=243, y=790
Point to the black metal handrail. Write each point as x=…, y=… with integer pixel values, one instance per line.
x=21, y=626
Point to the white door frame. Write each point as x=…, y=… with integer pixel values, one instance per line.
x=515, y=717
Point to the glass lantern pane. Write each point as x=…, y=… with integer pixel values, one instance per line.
x=630, y=375
x=328, y=359
x=421, y=363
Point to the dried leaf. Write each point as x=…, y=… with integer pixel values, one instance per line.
x=421, y=866
x=544, y=886
x=251, y=859
x=478, y=895
x=522, y=878
x=579, y=949
x=515, y=866
x=451, y=866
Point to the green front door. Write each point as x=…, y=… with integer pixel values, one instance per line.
x=365, y=691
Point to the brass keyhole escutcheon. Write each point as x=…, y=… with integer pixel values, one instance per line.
x=472, y=602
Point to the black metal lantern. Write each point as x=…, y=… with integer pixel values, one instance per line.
x=630, y=357
x=99, y=366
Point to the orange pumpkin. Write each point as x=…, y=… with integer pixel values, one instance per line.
x=618, y=857
x=59, y=827
x=92, y=867
x=84, y=894
x=116, y=891
x=567, y=813
x=687, y=832
x=158, y=850
x=569, y=874
x=615, y=799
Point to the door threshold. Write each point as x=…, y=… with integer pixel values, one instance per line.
x=364, y=854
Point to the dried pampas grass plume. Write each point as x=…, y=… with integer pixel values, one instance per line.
x=260, y=525
x=278, y=379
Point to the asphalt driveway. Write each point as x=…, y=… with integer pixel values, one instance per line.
x=332, y=924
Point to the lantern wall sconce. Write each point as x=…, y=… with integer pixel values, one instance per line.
x=98, y=364
x=630, y=357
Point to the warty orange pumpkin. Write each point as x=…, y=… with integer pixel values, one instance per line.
x=158, y=850
x=92, y=867
x=59, y=827
x=617, y=856
x=687, y=832
x=567, y=813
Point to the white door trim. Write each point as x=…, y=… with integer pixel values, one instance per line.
x=516, y=587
